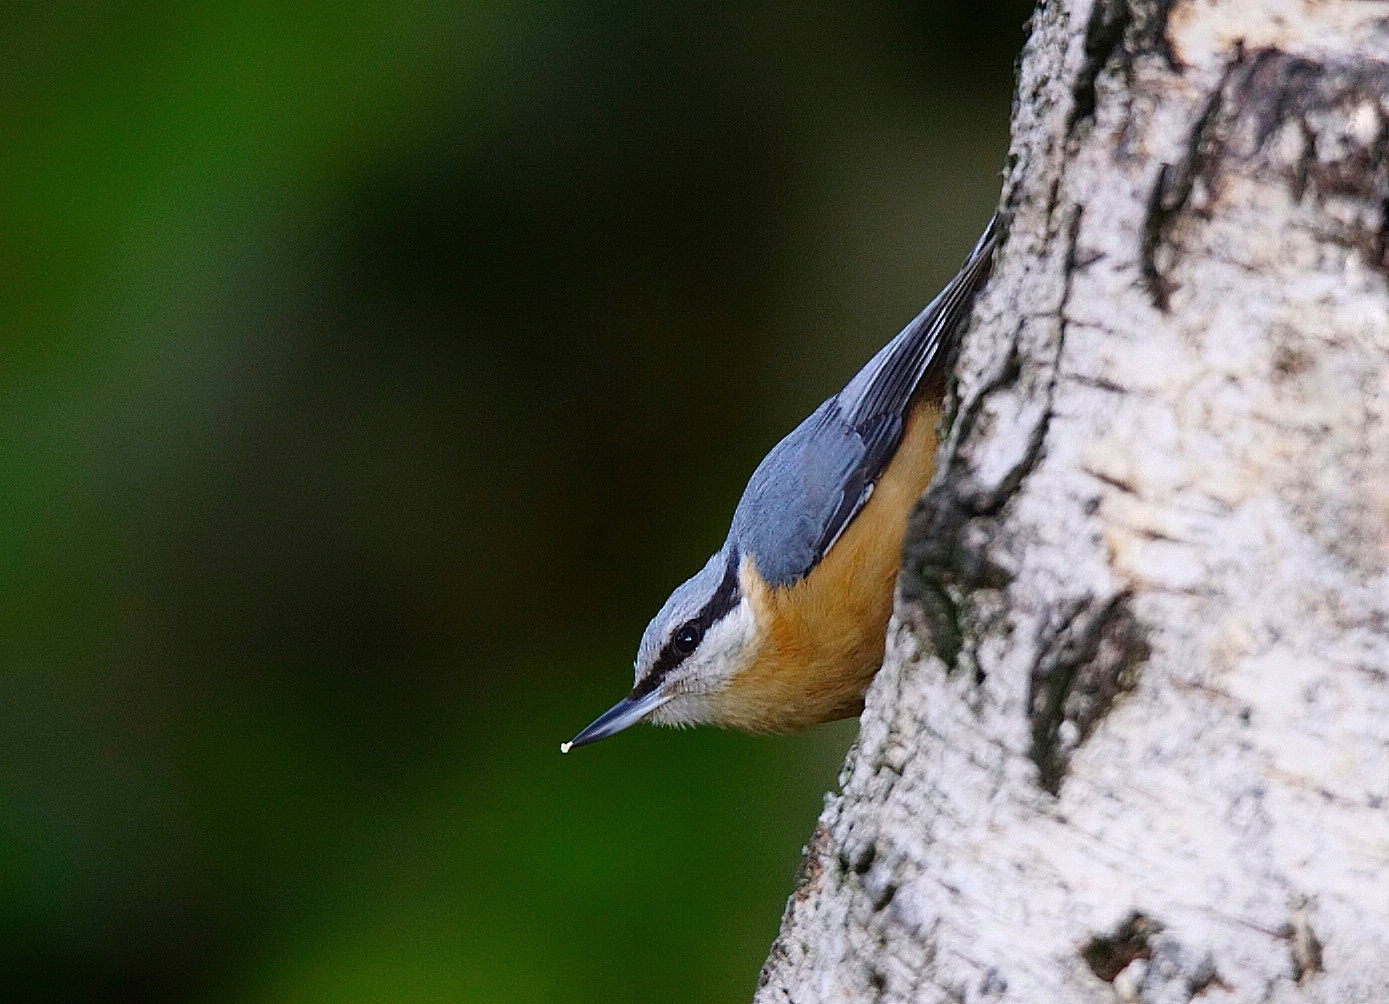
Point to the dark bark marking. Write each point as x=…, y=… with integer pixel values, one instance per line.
x=1206, y=981
x=937, y=563
x=1171, y=193
x=1163, y=202
x=1302, y=174
x=1104, y=36
x=1290, y=361
x=942, y=564
x=1109, y=955
x=860, y=860
x=1004, y=375
x=1306, y=948
x=1173, y=972
x=1379, y=252
x=992, y=983
x=882, y=897
x=1259, y=94
x=1155, y=33
x=1087, y=661
x=1118, y=33
x=1119, y=484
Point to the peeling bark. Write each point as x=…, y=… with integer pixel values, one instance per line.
x=1131, y=740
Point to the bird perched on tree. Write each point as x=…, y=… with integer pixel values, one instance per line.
x=785, y=625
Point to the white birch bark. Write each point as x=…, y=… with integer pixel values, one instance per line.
x=1131, y=741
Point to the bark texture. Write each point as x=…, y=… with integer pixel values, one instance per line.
x=1131, y=741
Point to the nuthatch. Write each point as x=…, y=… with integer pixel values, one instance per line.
x=786, y=624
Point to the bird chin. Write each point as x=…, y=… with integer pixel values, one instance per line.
x=682, y=710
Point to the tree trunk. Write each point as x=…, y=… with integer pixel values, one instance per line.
x=1131, y=740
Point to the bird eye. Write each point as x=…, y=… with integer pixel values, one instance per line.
x=687, y=639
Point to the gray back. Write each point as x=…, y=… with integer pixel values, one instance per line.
x=813, y=482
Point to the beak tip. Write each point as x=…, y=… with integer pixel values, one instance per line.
x=624, y=713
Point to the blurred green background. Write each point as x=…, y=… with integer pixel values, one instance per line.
x=369, y=372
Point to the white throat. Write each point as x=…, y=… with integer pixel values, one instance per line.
x=729, y=647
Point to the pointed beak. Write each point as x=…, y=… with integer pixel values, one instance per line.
x=622, y=714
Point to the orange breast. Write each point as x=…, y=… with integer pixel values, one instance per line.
x=824, y=636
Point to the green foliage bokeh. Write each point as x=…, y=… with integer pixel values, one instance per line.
x=370, y=373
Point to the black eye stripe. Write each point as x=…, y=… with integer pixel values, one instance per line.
x=725, y=598
x=674, y=652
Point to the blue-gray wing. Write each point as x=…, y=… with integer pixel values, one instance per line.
x=810, y=486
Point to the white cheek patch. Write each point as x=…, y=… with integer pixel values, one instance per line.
x=728, y=648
